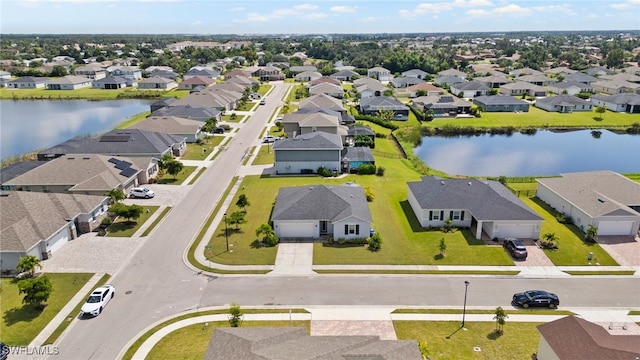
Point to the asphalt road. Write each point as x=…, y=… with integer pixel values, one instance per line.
x=156, y=283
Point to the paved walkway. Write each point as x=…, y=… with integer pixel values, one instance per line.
x=354, y=320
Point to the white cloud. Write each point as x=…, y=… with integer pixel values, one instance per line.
x=236, y=9
x=197, y=23
x=304, y=11
x=512, y=9
x=369, y=19
x=625, y=5
x=305, y=7
x=438, y=7
x=478, y=12
x=471, y=3
x=343, y=9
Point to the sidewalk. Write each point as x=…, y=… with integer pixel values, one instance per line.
x=65, y=311
x=355, y=320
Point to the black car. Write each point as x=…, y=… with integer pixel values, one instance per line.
x=536, y=298
x=516, y=248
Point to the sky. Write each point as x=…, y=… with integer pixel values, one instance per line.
x=312, y=17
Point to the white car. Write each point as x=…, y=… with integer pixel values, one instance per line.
x=141, y=192
x=98, y=299
x=270, y=139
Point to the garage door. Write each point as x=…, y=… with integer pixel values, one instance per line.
x=295, y=230
x=58, y=241
x=516, y=231
x=615, y=227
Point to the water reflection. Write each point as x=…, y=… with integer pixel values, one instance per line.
x=28, y=125
x=545, y=153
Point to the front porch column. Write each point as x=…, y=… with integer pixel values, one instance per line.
x=479, y=230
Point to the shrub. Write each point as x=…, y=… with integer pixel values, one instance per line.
x=323, y=171
x=368, y=193
x=448, y=226
x=375, y=242
x=366, y=169
x=380, y=171
x=106, y=221
x=564, y=219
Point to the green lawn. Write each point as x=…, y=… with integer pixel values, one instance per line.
x=200, y=172
x=538, y=118
x=132, y=120
x=22, y=323
x=572, y=249
x=247, y=107
x=124, y=228
x=488, y=311
x=197, y=151
x=404, y=241
x=156, y=221
x=265, y=155
x=445, y=340
x=87, y=93
x=232, y=118
x=179, y=179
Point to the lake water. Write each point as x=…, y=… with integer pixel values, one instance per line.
x=26, y=125
x=545, y=153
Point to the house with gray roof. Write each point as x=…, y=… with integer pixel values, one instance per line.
x=380, y=73
x=305, y=153
x=294, y=343
x=445, y=105
x=157, y=83
x=522, y=87
x=416, y=73
x=126, y=142
x=344, y=75
x=540, y=80
x=625, y=76
x=371, y=106
x=190, y=129
x=307, y=76
x=16, y=169
x=202, y=72
x=69, y=82
x=598, y=71
x=524, y=71
x=27, y=82
x=483, y=206
x=129, y=72
x=360, y=130
x=354, y=156
x=322, y=101
x=88, y=174
x=166, y=74
x=493, y=81
x=91, y=71
x=470, y=89
x=572, y=337
x=113, y=82
x=501, y=103
x=581, y=78
x=298, y=123
x=370, y=89
x=345, y=118
x=448, y=80
x=625, y=102
x=604, y=199
x=312, y=212
x=615, y=86
x=194, y=112
x=403, y=82
x=561, y=70
x=296, y=69
x=563, y=104
x=570, y=87
x=333, y=90
x=453, y=72
x=194, y=81
x=219, y=98
x=39, y=224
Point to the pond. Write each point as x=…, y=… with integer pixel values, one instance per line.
x=547, y=152
x=39, y=124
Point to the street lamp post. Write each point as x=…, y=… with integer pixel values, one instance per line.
x=464, y=307
x=226, y=234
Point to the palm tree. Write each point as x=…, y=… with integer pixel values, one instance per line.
x=591, y=234
x=115, y=195
x=29, y=264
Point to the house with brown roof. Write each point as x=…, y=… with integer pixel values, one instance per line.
x=572, y=337
x=39, y=224
x=268, y=73
x=327, y=88
x=522, y=87
x=194, y=81
x=429, y=89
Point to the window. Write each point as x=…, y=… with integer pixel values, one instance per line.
x=436, y=215
x=352, y=229
x=456, y=215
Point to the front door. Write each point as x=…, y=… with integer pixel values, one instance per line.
x=323, y=227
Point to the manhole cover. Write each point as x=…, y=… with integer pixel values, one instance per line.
x=128, y=292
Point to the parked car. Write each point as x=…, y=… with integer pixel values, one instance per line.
x=516, y=248
x=270, y=139
x=263, y=102
x=141, y=192
x=98, y=299
x=536, y=298
x=219, y=130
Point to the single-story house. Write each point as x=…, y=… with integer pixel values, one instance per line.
x=524, y=71
x=129, y=72
x=307, y=76
x=615, y=86
x=333, y=90
x=597, y=71
x=16, y=169
x=380, y=73
x=371, y=106
x=294, y=343
x=166, y=74
x=483, y=206
x=312, y=212
x=296, y=69
x=298, y=123
x=87, y=174
x=27, y=82
x=572, y=337
x=403, y=82
x=113, y=82
x=323, y=80
x=344, y=75
x=443, y=105
x=539, y=80
x=625, y=102
x=604, y=199
x=563, y=104
x=220, y=99
x=126, y=142
x=157, y=83
x=429, y=89
x=196, y=112
x=371, y=89
x=203, y=73
x=305, y=153
x=501, y=103
x=344, y=117
x=354, y=156
x=448, y=80
x=469, y=89
x=581, y=78
x=416, y=73
x=69, y=82
x=623, y=76
x=92, y=72
x=522, y=87
x=190, y=129
x=493, y=81
x=561, y=70
x=570, y=87
x=39, y=224
x=5, y=77
x=196, y=80
x=164, y=102
x=453, y=72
